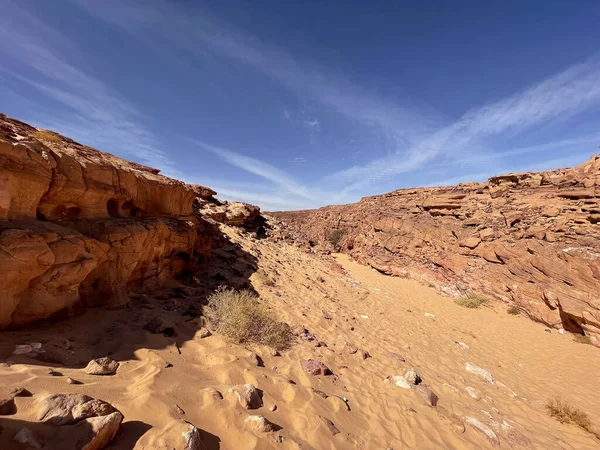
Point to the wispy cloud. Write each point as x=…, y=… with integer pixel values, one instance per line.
x=260, y=168
x=556, y=98
x=36, y=55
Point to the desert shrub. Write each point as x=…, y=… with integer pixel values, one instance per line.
x=46, y=135
x=240, y=316
x=471, y=300
x=335, y=236
x=514, y=310
x=565, y=413
x=582, y=339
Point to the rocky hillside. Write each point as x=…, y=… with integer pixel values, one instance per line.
x=80, y=227
x=529, y=239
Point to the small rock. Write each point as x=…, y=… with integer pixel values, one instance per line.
x=258, y=424
x=27, y=437
x=102, y=366
x=561, y=331
x=330, y=425
x=275, y=353
x=365, y=355
x=155, y=326
x=429, y=315
x=487, y=376
x=7, y=406
x=462, y=345
x=401, y=382
x=412, y=377
x=180, y=411
x=273, y=408
x=345, y=346
x=21, y=392
x=427, y=394
x=483, y=428
x=314, y=367
x=248, y=396
x=203, y=333
x=396, y=356
x=548, y=330
x=473, y=392
x=193, y=440
x=72, y=381
x=168, y=365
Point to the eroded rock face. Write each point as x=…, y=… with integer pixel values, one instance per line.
x=81, y=227
x=531, y=239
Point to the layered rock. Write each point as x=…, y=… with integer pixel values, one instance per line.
x=81, y=227
x=532, y=239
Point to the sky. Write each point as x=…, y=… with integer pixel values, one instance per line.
x=294, y=105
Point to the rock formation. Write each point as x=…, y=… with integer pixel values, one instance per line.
x=81, y=227
x=529, y=239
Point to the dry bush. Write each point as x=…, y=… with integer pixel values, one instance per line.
x=582, y=339
x=471, y=300
x=47, y=135
x=565, y=413
x=514, y=310
x=335, y=236
x=239, y=316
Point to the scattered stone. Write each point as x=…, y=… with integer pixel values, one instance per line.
x=168, y=365
x=430, y=315
x=483, y=428
x=8, y=406
x=21, y=392
x=487, y=376
x=248, y=396
x=462, y=345
x=29, y=438
x=72, y=381
x=401, y=382
x=365, y=355
x=345, y=346
x=102, y=366
x=473, y=392
x=275, y=353
x=67, y=409
x=427, y=394
x=258, y=424
x=548, y=330
x=273, y=408
x=307, y=336
x=54, y=373
x=330, y=425
x=155, y=326
x=412, y=377
x=314, y=367
x=396, y=356
x=193, y=440
x=98, y=431
x=203, y=333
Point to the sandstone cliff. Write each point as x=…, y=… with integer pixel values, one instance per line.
x=531, y=239
x=81, y=227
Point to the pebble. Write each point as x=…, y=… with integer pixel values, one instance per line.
x=429, y=315
x=486, y=375
x=473, y=392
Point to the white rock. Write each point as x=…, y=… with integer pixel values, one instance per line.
x=429, y=315
x=258, y=424
x=462, y=345
x=486, y=375
x=483, y=428
x=473, y=392
x=401, y=382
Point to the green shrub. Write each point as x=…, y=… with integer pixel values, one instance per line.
x=471, y=300
x=565, y=413
x=582, y=339
x=240, y=316
x=514, y=310
x=335, y=236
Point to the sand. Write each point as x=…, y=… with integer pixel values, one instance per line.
x=379, y=314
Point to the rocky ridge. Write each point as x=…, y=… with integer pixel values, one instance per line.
x=529, y=239
x=79, y=227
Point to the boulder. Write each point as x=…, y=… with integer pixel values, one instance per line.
x=258, y=424
x=248, y=396
x=67, y=409
x=102, y=366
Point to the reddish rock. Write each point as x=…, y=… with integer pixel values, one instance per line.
x=81, y=227
x=521, y=238
x=330, y=425
x=315, y=367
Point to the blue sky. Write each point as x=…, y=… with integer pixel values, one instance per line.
x=293, y=105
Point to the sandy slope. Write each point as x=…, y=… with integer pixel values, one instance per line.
x=533, y=365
